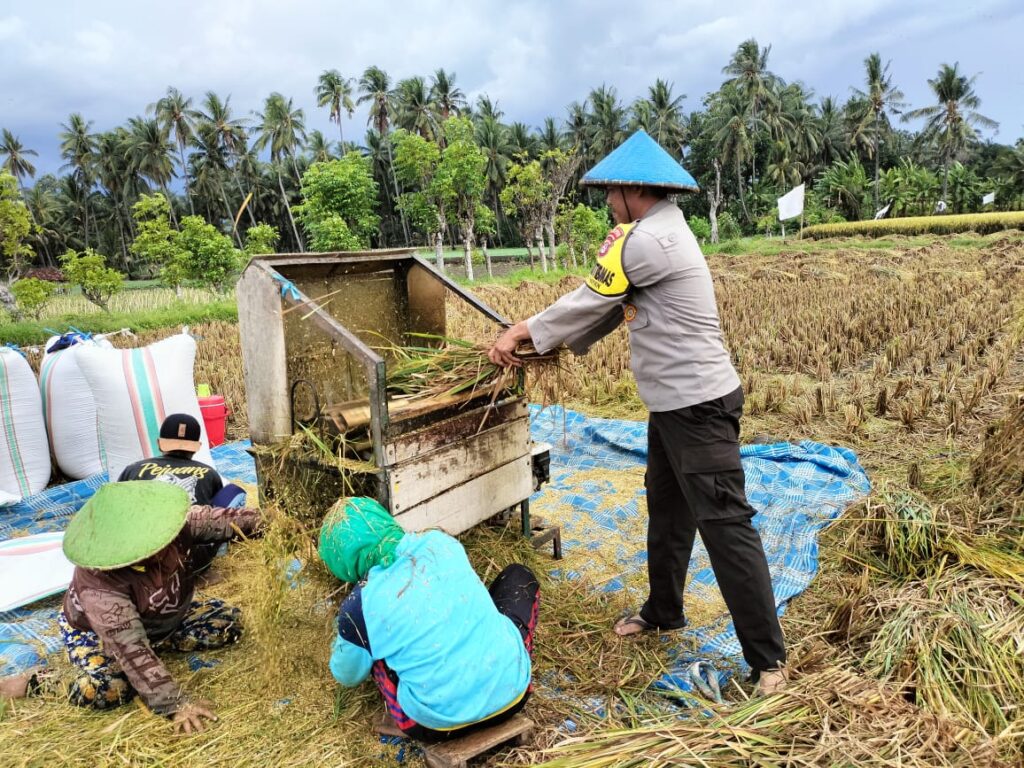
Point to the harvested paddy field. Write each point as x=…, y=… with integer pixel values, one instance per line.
x=907, y=650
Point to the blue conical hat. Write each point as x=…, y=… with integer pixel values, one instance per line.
x=640, y=161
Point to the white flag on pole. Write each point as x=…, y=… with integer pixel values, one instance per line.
x=791, y=204
x=881, y=213
x=989, y=198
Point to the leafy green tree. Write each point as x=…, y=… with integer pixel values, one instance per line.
x=583, y=230
x=332, y=233
x=951, y=124
x=32, y=295
x=78, y=147
x=426, y=204
x=756, y=87
x=525, y=196
x=210, y=258
x=340, y=190
x=446, y=97
x=844, y=183
x=415, y=113
x=90, y=272
x=157, y=245
x=375, y=88
x=486, y=226
x=15, y=227
x=461, y=179
x=261, y=239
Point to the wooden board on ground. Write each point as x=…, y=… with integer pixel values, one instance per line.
x=458, y=752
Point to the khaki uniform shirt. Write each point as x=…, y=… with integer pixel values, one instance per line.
x=662, y=288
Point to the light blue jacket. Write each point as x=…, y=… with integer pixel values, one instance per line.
x=431, y=619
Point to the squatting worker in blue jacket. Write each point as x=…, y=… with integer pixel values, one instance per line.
x=448, y=655
x=651, y=274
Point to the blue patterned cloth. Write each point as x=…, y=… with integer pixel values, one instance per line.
x=797, y=491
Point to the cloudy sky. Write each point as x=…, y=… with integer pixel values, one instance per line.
x=109, y=59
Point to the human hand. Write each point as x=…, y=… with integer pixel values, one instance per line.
x=190, y=718
x=503, y=351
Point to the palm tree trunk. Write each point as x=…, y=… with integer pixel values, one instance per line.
x=284, y=198
x=227, y=208
x=877, y=161
x=468, y=247
x=487, y=257
x=398, y=194
x=439, y=250
x=170, y=204
x=743, y=200
x=184, y=175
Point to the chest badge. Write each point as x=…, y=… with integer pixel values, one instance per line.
x=629, y=312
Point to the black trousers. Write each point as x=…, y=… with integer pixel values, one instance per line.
x=695, y=483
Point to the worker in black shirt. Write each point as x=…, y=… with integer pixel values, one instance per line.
x=180, y=438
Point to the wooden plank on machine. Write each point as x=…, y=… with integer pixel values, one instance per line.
x=441, y=434
x=423, y=477
x=463, y=507
x=263, y=356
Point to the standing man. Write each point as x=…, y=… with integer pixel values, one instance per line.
x=651, y=273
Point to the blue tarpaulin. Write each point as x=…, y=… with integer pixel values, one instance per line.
x=797, y=490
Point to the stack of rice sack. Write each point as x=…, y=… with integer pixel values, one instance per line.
x=24, y=451
x=101, y=408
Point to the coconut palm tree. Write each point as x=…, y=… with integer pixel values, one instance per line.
x=485, y=108
x=755, y=83
x=149, y=152
x=16, y=161
x=225, y=137
x=665, y=116
x=830, y=131
x=77, y=147
x=607, y=120
x=445, y=96
x=175, y=113
x=319, y=148
x=952, y=123
x=729, y=128
x=415, y=113
x=521, y=141
x=878, y=98
x=335, y=92
x=279, y=128
x=119, y=178
x=375, y=88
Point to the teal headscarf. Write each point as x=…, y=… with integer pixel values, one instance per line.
x=357, y=534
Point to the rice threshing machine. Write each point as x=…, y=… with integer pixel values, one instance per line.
x=318, y=331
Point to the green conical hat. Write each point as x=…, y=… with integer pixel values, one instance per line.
x=124, y=523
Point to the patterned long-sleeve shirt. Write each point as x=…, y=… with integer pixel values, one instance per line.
x=130, y=608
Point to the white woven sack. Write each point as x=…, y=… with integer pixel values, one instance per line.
x=134, y=390
x=70, y=412
x=24, y=451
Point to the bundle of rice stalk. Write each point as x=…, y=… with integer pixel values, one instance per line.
x=446, y=367
x=954, y=645
x=908, y=532
x=833, y=717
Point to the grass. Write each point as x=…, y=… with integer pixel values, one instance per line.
x=149, y=314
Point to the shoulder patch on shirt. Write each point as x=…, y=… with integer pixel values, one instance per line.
x=608, y=278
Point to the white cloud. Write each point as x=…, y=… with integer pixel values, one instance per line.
x=110, y=58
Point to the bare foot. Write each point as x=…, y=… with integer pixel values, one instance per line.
x=16, y=686
x=632, y=625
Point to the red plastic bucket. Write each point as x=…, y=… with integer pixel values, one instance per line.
x=215, y=414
